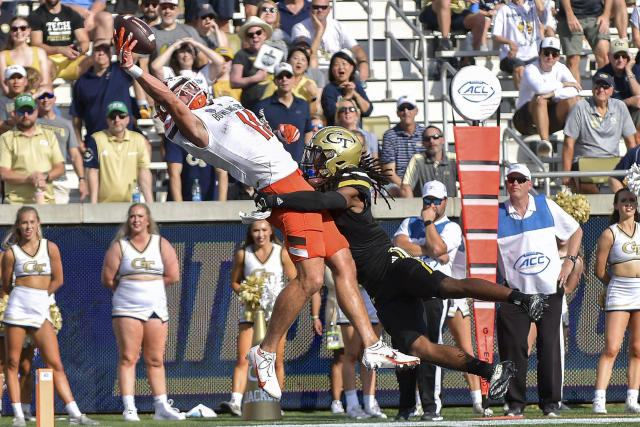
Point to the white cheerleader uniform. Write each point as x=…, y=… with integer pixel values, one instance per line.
x=272, y=270
x=623, y=293
x=29, y=307
x=141, y=299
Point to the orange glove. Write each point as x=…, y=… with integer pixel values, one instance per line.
x=287, y=133
x=124, y=47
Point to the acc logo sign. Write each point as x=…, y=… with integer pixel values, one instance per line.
x=475, y=92
x=531, y=263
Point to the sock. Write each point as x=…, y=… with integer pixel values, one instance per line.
x=160, y=400
x=369, y=401
x=17, y=410
x=601, y=394
x=72, y=409
x=476, y=396
x=236, y=398
x=352, y=398
x=516, y=297
x=375, y=346
x=479, y=368
x=128, y=402
x=418, y=401
x=632, y=396
x=26, y=407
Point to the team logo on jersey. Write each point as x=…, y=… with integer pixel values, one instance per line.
x=141, y=264
x=33, y=267
x=532, y=263
x=631, y=248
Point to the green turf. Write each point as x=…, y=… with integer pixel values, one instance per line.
x=450, y=414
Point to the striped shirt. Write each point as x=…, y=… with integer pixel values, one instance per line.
x=398, y=147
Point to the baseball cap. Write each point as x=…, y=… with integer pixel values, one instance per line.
x=117, y=106
x=14, y=69
x=521, y=169
x=406, y=99
x=282, y=67
x=169, y=1
x=434, y=189
x=206, y=9
x=225, y=51
x=550, y=43
x=602, y=77
x=301, y=39
x=619, y=45
x=24, y=100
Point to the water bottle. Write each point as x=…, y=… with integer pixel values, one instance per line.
x=135, y=194
x=333, y=337
x=196, y=196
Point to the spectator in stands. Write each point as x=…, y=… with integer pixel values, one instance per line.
x=593, y=129
x=313, y=72
x=317, y=122
x=59, y=30
x=548, y=19
x=516, y=28
x=268, y=12
x=635, y=26
x=97, y=22
x=447, y=15
x=30, y=157
x=284, y=107
x=122, y=7
x=222, y=85
x=343, y=83
x=110, y=166
x=584, y=19
x=102, y=84
x=547, y=93
x=401, y=142
x=293, y=12
x=625, y=75
x=179, y=59
x=15, y=78
x=430, y=165
x=632, y=157
x=244, y=75
x=348, y=116
x=17, y=51
x=621, y=17
x=5, y=19
x=222, y=8
x=67, y=140
x=149, y=9
x=331, y=38
x=207, y=28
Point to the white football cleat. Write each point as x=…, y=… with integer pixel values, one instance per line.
x=264, y=363
x=382, y=356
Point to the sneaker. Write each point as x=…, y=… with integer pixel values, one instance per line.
x=232, y=407
x=375, y=412
x=28, y=416
x=417, y=410
x=131, y=415
x=357, y=413
x=515, y=412
x=563, y=406
x=544, y=148
x=632, y=407
x=551, y=414
x=381, y=355
x=403, y=416
x=444, y=44
x=431, y=416
x=19, y=422
x=534, y=305
x=600, y=406
x=82, y=420
x=485, y=412
x=265, y=366
x=336, y=407
x=166, y=411
x=499, y=383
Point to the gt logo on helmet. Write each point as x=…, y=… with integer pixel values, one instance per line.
x=338, y=137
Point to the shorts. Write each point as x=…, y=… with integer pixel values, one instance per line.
x=430, y=19
x=371, y=311
x=140, y=299
x=61, y=191
x=306, y=234
x=66, y=68
x=523, y=121
x=623, y=294
x=572, y=42
x=509, y=64
x=458, y=304
x=28, y=307
x=398, y=298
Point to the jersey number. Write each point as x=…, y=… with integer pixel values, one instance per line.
x=250, y=119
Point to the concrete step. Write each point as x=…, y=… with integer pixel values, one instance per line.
x=351, y=10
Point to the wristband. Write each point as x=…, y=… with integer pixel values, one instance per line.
x=315, y=317
x=81, y=178
x=427, y=223
x=46, y=176
x=134, y=71
x=631, y=76
x=572, y=258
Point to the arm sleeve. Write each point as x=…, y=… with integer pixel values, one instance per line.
x=635, y=17
x=312, y=201
x=564, y=223
x=72, y=139
x=628, y=128
x=572, y=125
x=328, y=101
x=143, y=155
x=498, y=23
x=403, y=229
x=91, y=155
x=452, y=236
x=5, y=150
x=362, y=93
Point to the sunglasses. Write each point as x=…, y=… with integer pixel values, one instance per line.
x=121, y=116
x=284, y=74
x=25, y=111
x=19, y=27
x=268, y=9
x=168, y=6
x=316, y=126
x=620, y=55
x=150, y=3
x=427, y=201
x=604, y=86
x=210, y=16
x=430, y=137
x=520, y=179
x=46, y=95
x=350, y=109
x=252, y=35
x=318, y=7
x=406, y=107
x=552, y=52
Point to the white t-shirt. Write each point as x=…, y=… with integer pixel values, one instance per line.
x=535, y=82
x=335, y=37
x=521, y=25
x=635, y=17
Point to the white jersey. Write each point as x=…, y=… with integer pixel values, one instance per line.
x=272, y=269
x=521, y=25
x=238, y=143
x=149, y=261
x=27, y=265
x=625, y=248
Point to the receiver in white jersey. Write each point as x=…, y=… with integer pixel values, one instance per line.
x=238, y=143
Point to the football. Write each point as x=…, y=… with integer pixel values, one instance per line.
x=141, y=32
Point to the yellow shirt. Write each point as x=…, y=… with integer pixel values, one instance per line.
x=223, y=88
x=27, y=154
x=119, y=164
x=456, y=6
x=300, y=90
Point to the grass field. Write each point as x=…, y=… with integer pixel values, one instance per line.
x=580, y=415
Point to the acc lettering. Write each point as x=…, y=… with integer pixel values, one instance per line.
x=141, y=264
x=33, y=267
x=631, y=248
x=476, y=90
x=531, y=263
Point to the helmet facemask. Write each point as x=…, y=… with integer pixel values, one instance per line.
x=187, y=91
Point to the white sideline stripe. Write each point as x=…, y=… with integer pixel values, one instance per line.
x=480, y=168
x=482, y=270
x=482, y=236
x=479, y=202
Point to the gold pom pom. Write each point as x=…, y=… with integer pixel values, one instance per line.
x=3, y=307
x=251, y=291
x=56, y=317
x=576, y=205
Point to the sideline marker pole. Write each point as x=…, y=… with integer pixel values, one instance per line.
x=44, y=398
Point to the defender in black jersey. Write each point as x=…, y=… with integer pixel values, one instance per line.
x=394, y=280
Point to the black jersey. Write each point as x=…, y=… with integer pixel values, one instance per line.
x=368, y=241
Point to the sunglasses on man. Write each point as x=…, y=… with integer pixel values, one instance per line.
x=550, y=52
x=25, y=111
x=428, y=138
x=46, y=95
x=406, y=107
x=319, y=7
x=17, y=28
x=121, y=116
x=254, y=34
x=429, y=200
x=604, y=86
x=620, y=55
x=519, y=179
